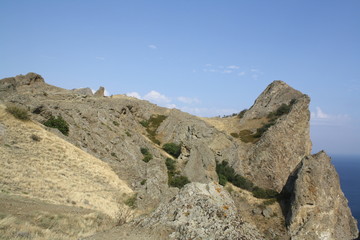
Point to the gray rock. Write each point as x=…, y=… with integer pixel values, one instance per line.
x=201, y=211
x=269, y=161
x=318, y=208
x=100, y=92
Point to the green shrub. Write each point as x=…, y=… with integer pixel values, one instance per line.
x=173, y=149
x=147, y=155
x=222, y=179
x=264, y=193
x=18, y=112
x=260, y=131
x=283, y=109
x=58, y=123
x=116, y=123
x=170, y=165
x=178, y=181
x=143, y=182
x=144, y=123
x=131, y=201
x=227, y=173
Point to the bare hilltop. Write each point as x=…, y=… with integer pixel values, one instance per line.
x=78, y=165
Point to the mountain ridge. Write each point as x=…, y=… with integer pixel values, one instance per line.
x=265, y=145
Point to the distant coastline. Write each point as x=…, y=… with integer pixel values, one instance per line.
x=348, y=168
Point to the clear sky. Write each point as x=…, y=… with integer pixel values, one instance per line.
x=206, y=57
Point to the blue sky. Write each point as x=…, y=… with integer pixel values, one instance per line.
x=206, y=57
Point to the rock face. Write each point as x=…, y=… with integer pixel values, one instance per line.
x=13, y=82
x=100, y=92
x=269, y=161
x=318, y=209
x=201, y=211
x=277, y=93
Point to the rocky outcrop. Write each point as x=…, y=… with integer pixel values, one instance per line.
x=317, y=208
x=100, y=92
x=12, y=83
x=83, y=91
x=270, y=160
x=201, y=211
x=277, y=93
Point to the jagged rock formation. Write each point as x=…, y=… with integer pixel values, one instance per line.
x=317, y=208
x=116, y=129
x=100, y=92
x=201, y=211
x=270, y=160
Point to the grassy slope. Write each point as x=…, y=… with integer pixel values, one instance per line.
x=54, y=170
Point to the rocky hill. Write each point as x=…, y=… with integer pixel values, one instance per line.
x=163, y=174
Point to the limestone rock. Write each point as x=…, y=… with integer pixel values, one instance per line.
x=100, y=92
x=269, y=161
x=13, y=82
x=201, y=211
x=277, y=93
x=317, y=208
x=83, y=91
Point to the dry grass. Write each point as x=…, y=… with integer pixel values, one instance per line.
x=55, y=170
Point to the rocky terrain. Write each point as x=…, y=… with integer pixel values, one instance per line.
x=158, y=173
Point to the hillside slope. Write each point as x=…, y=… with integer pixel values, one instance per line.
x=37, y=163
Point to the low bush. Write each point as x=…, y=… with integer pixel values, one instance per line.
x=170, y=165
x=178, y=181
x=131, y=201
x=227, y=174
x=18, y=112
x=59, y=123
x=147, y=155
x=173, y=149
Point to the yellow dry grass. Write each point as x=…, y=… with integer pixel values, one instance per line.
x=54, y=170
x=233, y=124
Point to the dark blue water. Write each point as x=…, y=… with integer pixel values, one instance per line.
x=348, y=168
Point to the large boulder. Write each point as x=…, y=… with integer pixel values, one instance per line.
x=316, y=207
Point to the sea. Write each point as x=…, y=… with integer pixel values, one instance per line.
x=348, y=168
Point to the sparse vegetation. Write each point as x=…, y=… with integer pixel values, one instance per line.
x=173, y=149
x=131, y=201
x=128, y=133
x=143, y=182
x=58, y=123
x=113, y=154
x=242, y=113
x=248, y=136
x=116, y=123
x=35, y=138
x=174, y=178
x=170, y=164
x=227, y=174
x=235, y=135
x=178, y=181
x=147, y=155
x=19, y=112
x=152, y=125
